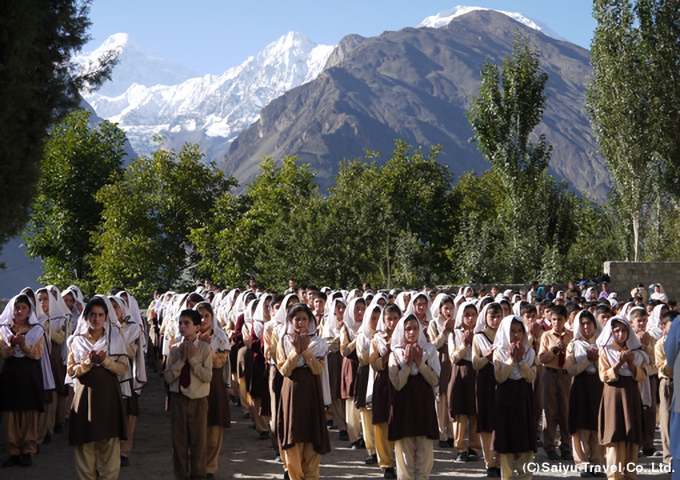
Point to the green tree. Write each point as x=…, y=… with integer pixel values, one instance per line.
x=78, y=160
x=39, y=83
x=148, y=216
x=634, y=100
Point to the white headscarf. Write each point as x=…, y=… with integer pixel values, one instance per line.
x=589, y=292
x=435, y=311
x=135, y=314
x=398, y=343
x=581, y=345
x=31, y=337
x=365, y=334
x=218, y=339
x=259, y=315
x=502, y=345
x=282, y=313
x=458, y=329
x=654, y=326
x=661, y=296
x=412, y=308
x=401, y=300
x=352, y=324
x=132, y=334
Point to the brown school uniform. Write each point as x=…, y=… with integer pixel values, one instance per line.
x=382, y=397
x=439, y=340
x=556, y=384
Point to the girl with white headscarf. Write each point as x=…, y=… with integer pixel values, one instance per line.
x=96, y=364
x=461, y=387
x=238, y=344
x=513, y=360
x=256, y=383
x=368, y=328
x=135, y=378
x=219, y=416
x=420, y=307
x=438, y=332
x=22, y=379
x=56, y=322
x=300, y=420
x=622, y=370
x=350, y=364
x=414, y=372
x=331, y=333
x=586, y=391
x=381, y=389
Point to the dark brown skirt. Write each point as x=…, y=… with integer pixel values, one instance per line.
x=620, y=418
x=257, y=380
x=350, y=365
x=462, y=389
x=515, y=421
x=21, y=385
x=98, y=411
x=334, y=360
x=361, y=385
x=58, y=369
x=300, y=417
x=486, y=399
x=218, y=406
x=383, y=391
x=132, y=405
x=265, y=398
x=584, y=402
x=445, y=375
x=413, y=413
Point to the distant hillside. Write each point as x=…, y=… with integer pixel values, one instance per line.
x=416, y=84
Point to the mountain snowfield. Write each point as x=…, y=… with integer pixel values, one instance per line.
x=151, y=95
x=211, y=105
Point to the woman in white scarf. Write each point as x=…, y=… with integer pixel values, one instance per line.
x=97, y=362
x=420, y=307
x=24, y=377
x=622, y=368
x=301, y=421
x=350, y=364
x=219, y=415
x=515, y=372
x=363, y=349
x=414, y=372
x=586, y=391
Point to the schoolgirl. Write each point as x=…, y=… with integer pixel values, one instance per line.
x=420, y=307
x=585, y=394
x=135, y=379
x=219, y=416
x=22, y=379
x=381, y=391
x=462, y=386
x=97, y=361
x=414, y=372
x=482, y=361
x=350, y=365
x=331, y=333
x=441, y=325
x=513, y=361
x=363, y=349
x=256, y=384
x=301, y=421
x=56, y=320
x=622, y=369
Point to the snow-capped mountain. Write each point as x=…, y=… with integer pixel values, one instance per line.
x=444, y=18
x=136, y=64
x=212, y=105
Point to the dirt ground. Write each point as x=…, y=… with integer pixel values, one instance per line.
x=244, y=455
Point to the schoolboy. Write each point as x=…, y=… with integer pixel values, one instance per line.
x=556, y=384
x=638, y=320
x=665, y=387
x=188, y=372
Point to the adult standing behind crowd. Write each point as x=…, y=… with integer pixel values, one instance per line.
x=672, y=357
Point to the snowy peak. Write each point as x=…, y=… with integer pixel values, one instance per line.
x=137, y=64
x=443, y=18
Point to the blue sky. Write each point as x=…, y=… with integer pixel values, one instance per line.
x=210, y=36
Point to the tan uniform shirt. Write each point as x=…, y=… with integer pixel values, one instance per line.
x=201, y=370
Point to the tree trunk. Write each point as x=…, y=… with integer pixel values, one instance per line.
x=636, y=237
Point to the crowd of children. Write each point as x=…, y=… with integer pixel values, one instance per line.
x=492, y=376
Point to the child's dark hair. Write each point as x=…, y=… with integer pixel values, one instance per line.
x=319, y=294
x=572, y=307
x=95, y=302
x=494, y=307
x=528, y=308
x=586, y=314
x=336, y=295
x=23, y=298
x=483, y=303
x=392, y=308
x=602, y=308
x=300, y=307
x=668, y=317
x=205, y=306
x=546, y=303
x=560, y=310
x=192, y=315
x=195, y=298
x=277, y=299
x=590, y=305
